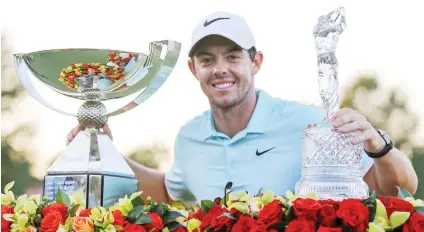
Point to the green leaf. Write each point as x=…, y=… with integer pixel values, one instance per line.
x=73, y=210
x=403, y=193
x=137, y=201
x=206, y=205
x=62, y=197
x=143, y=219
x=157, y=209
x=371, y=204
x=277, y=226
x=228, y=215
x=290, y=215
x=208, y=229
x=171, y=216
x=135, y=213
x=173, y=225
x=419, y=209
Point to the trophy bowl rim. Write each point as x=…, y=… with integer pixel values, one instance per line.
x=71, y=92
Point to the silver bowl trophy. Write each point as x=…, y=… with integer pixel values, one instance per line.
x=331, y=164
x=93, y=77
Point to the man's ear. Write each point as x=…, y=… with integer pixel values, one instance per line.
x=259, y=57
x=191, y=67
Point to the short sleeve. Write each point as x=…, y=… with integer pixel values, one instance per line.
x=367, y=163
x=174, y=179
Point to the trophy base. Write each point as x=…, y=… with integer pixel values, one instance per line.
x=333, y=190
x=331, y=164
x=91, y=162
x=98, y=189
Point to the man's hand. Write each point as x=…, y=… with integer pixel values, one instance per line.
x=347, y=120
x=79, y=127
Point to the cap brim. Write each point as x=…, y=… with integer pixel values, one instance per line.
x=244, y=46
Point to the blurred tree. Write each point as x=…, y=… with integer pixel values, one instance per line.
x=389, y=112
x=14, y=163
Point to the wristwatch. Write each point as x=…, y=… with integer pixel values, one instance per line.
x=387, y=148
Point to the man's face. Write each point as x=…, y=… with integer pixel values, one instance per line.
x=224, y=70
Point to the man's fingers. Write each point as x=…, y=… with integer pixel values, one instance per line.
x=340, y=113
x=345, y=119
x=106, y=130
x=353, y=126
x=365, y=135
x=77, y=129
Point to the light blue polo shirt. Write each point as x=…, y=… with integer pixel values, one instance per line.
x=205, y=160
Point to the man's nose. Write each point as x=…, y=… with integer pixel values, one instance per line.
x=220, y=68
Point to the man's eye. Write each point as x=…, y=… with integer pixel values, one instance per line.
x=233, y=57
x=207, y=60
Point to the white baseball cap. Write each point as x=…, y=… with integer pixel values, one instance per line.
x=230, y=26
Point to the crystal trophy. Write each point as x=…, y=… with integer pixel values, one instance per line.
x=331, y=164
x=93, y=85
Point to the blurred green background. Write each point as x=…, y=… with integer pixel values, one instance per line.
x=391, y=114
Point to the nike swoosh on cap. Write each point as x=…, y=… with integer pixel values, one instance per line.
x=212, y=21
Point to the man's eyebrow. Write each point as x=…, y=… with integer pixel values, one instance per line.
x=201, y=53
x=234, y=49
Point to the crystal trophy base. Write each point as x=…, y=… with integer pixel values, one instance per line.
x=331, y=165
x=92, y=163
x=98, y=190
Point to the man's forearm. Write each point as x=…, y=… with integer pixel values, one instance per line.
x=395, y=169
x=150, y=182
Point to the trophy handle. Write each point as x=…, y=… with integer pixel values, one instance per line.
x=157, y=74
x=23, y=74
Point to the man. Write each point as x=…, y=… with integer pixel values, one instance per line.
x=249, y=137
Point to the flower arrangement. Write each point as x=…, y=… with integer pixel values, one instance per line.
x=132, y=214
x=113, y=69
x=236, y=211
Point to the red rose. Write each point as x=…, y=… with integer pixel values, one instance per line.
x=210, y=216
x=235, y=213
x=301, y=226
x=56, y=207
x=156, y=224
x=5, y=225
x=130, y=227
x=328, y=229
x=180, y=229
x=395, y=204
x=118, y=218
x=333, y=203
x=217, y=201
x=222, y=223
x=198, y=215
x=262, y=228
x=85, y=212
x=415, y=223
x=354, y=214
x=245, y=223
x=271, y=213
x=327, y=216
x=306, y=208
x=50, y=222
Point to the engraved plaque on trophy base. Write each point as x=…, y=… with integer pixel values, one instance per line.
x=99, y=190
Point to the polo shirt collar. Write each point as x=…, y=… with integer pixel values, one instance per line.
x=257, y=122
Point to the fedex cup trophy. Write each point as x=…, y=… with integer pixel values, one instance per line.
x=331, y=164
x=91, y=77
